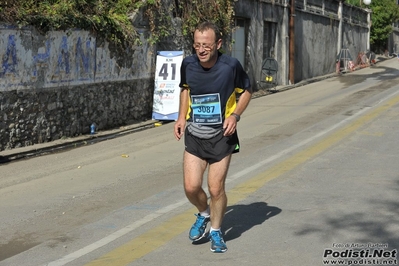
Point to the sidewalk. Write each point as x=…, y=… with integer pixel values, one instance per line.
x=70, y=143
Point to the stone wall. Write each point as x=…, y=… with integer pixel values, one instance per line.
x=42, y=115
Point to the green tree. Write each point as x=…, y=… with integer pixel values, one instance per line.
x=384, y=14
x=112, y=19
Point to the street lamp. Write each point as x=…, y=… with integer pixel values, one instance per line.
x=367, y=2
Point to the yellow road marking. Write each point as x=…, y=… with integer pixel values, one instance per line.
x=147, y=242
x=157, y=237
x=373, y=134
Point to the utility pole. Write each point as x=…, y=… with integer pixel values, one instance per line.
x=339, y=43
x=292, y=43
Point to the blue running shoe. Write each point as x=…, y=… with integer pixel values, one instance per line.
x=198, y=230
x=217, y=243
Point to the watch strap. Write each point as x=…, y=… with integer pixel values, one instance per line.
x=236, y=116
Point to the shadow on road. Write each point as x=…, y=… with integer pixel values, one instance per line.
x=381, y=228
x=4, y=160
x=359, y=77
x=241, y=218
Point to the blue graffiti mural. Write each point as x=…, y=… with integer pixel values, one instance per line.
x=41, y=58
x=59, y=59
x=9, y=61
x=63, y=57
x=83, y=58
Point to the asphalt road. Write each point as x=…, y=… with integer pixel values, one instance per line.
x=316, y=180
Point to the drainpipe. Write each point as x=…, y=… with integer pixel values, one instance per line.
x=292, y=43
x=285, y=44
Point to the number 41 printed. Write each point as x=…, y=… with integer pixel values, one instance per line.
x=163, y=72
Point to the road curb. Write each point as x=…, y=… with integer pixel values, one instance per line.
x=70, y=143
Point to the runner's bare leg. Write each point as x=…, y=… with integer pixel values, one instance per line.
x=216, y=185
x=194, y=168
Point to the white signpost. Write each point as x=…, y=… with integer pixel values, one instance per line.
x=166, y=90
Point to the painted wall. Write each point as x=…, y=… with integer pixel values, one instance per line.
x=57, y=85
x=30, y=60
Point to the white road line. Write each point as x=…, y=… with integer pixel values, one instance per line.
x=108, y=239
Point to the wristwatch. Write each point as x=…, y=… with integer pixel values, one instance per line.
x=236, y=116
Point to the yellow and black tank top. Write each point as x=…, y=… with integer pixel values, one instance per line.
x=213, y=91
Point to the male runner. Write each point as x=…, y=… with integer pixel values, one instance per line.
x=208, y=116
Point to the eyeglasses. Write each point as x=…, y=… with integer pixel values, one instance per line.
x=206, y=47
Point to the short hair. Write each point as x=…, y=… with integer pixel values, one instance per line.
x=208, y=25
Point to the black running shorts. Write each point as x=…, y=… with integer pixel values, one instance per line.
x=214, y=149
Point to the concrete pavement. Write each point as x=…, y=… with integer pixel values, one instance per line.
x=331, y=201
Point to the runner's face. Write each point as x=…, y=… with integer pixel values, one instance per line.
x=206, y=47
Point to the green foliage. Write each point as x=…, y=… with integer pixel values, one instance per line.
x=192, y=13
x=219, y=11
x=384, y=13
x=358, y=3
x=107, y=18
x=110, y=20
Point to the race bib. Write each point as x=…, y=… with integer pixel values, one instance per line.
x=206, y=109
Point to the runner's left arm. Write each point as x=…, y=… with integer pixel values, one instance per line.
x=230, y=123
x=183, y=108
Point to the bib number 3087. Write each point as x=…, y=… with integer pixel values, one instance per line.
x=206, y=109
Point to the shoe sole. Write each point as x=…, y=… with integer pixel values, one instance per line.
x=218, y=250
x=199, y=238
